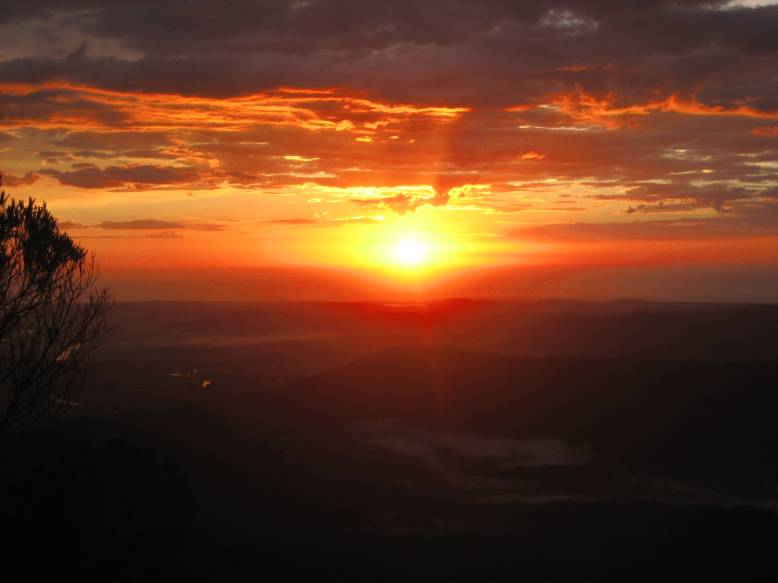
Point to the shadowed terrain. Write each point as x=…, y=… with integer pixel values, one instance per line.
x=454, y=441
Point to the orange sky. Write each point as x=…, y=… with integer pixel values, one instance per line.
x=579, y=165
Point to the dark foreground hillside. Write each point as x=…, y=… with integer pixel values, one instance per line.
x=375, y=447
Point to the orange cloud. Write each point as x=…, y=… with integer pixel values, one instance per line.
x=603, y=111
x=767, y=131
x=71, y=106
x=7, y=179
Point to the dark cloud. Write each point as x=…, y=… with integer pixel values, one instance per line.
x=141, y=175
x=153, y=235
x=114, y=142
x=747, y=225
x=663, y=107
x=11, y=181
x=681, y=196
x=663, y=207
x=70, y=225
x=154, y=225
x=507, y=51
x=31, y=107
x=150, y=224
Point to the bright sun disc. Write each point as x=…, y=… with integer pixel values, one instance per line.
x=409, y=252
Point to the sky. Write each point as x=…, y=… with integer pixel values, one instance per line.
x=318, y=149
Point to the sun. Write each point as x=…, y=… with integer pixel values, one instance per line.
x=410, y=252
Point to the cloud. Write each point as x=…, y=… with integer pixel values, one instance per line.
x=114, y=142
x=358, y=220
x=326, y=221
x=153, y=235
x=403, y=203
x=293, y=221
x=147, y=115
x=663, y=207
x=133, y=176
x=153, y=225
x=144, y=224
x=70, y=225
x=681, y=196
x=654, y=230
x=596, y=45
x=647, y=108
x=766, y=131
x=11, y=181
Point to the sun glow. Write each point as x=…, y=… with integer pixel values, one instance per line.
x=410, y=252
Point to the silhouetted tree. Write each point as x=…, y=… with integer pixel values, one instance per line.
x=52, y=316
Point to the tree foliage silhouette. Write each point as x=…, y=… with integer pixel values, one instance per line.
x=52, y=316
